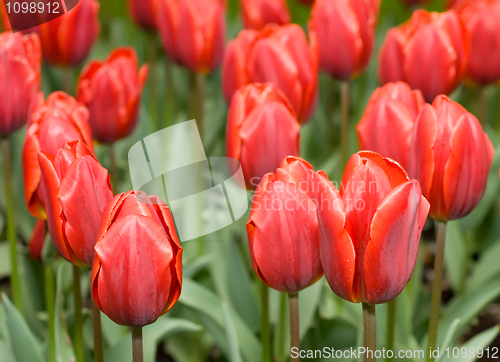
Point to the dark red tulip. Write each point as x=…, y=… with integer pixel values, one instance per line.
x=234, y=74
x=67, y=40
x=37, y=240
x=61, y=119
x=429, y=52
x=370, y=228
x=193, y=32
x=258, y=13
x=283, y=228
x=262, y=130
x=76, y=190
x=144, y=13
x=20, y=58
x=387, y=124
x=279, y=55
x=344, y=32
x=481, y=17
x=137, y=271
x=112, y=92
x=451, y=157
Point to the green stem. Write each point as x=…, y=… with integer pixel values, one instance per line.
x=11, y=226
x=293, y=299
x=96, y=323
x=391, y=317
x=483, y=106
x=436, y=289
x=113, y=168
x=370, y=335
x=137, y=354
x=265, y=331
x=78, y=314
x=281, y=330
x=48, y=276
x=344, y=129
x=170, y=92
x=197, y=96
x=66, y=80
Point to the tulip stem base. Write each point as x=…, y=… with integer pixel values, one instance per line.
x=11, y=226
x=78, y=334
x=293, y=299
x=436, y=289
x=344, y=127
x=137, y=354
x=48, y=278
x=391, y=317
x=265, y=331
x=370, y=332
x=96, y=324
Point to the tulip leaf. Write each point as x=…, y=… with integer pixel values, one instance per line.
x=120, y=352
x=4, y=259
x=232, y=336
x=309, y=299
x=64, y=350
x=486, y=268
x=456, y=256
x=6, y=352
x=450, y=336
x=24, y=344
x=478, y=343
x=193, y=293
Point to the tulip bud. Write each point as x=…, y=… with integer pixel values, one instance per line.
x=137, y=271
x=112, y=91
x=20, y=58
x=144, y=13
x=61, y=119
x=283, y=228
x=72, y=179
x=262, y=130
x=451, y=157
x=344, y=32
x=193, y=32
x=258, y=13
x=370, y=228
x=67, y=40
x=37, y=240
x=481, y=18
x=429, y=52
x=279, y=55
x=387, y=124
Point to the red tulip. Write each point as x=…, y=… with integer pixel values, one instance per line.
x=144, y=12
x=61, y=119
x=387, y=124
x=137, y=271
x=67, y=40
x=258, y=13
x=344, y=32
x=76, y=190
x=481, y=17
x=283, y=228
x=112, y=90
x=279, y=55
x=429, y=52
x=262, y=130
x=20, y=58
x=370, y=229
x=451, y=156
x=193, y=32
x=234, y=74
x=37, y=240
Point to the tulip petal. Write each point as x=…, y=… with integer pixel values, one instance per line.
x=391, y=254
x=391, y=58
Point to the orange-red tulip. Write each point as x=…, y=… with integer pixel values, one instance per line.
x=61, y=119
x=344, y=32
x=258, y=13
x=283, y=228
x=37, y=240
x=144, y=13
x=429, y=52
x=370, y=228
x=67, y=40
x=262, y=130
x=112, y=91
x=387, y=124
x=76, y=190
x=451, y=157
x=137, y=271
x=481, y=17
x=20, y=58
x=193, y=32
